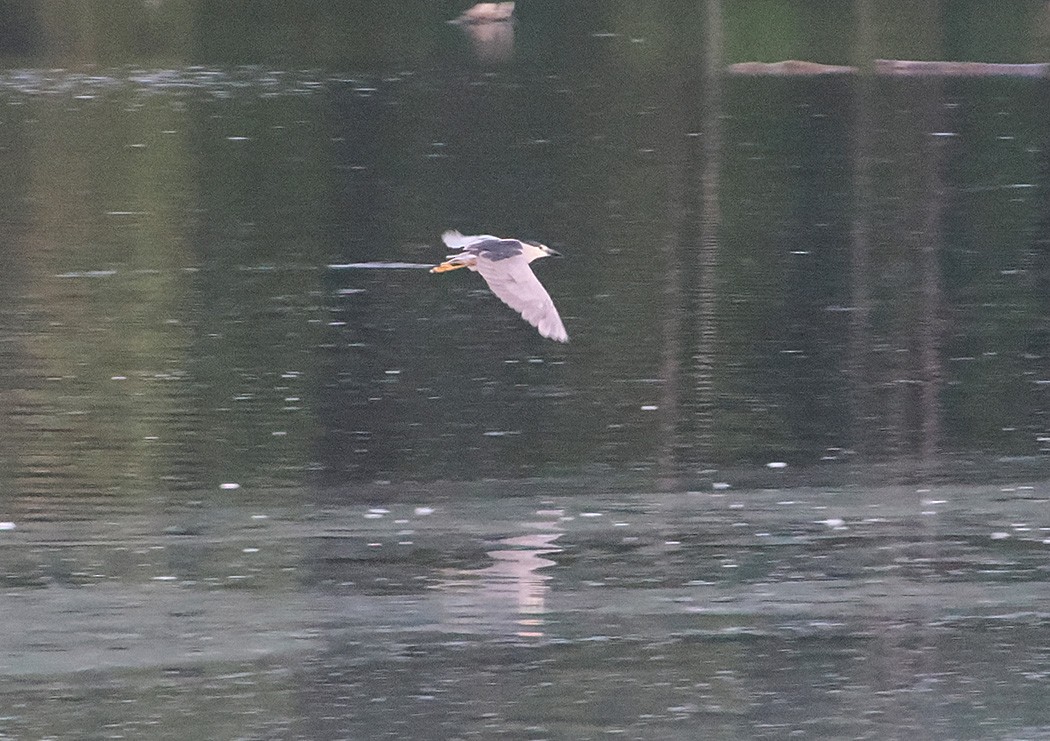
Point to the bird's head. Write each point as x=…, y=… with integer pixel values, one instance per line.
x=535, y=250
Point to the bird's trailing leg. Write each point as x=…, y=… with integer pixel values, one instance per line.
x=450, y=265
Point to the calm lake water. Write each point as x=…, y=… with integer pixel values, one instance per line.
x=264, y=476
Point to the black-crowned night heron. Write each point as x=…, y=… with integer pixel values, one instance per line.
x=504, y=264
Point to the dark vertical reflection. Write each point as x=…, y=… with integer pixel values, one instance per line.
x=13, y=182
x=710, y=223
x=911, y=301
x=860, y=397
x=931, y=249
x=673, y=316
x=1038, y=341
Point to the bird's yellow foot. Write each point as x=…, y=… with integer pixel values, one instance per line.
x=446, y=266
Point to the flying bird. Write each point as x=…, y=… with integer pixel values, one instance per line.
x=504, y=264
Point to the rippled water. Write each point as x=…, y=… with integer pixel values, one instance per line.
x=263, y=476
x=509, y=609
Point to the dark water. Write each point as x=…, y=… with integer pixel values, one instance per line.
x=261, y=476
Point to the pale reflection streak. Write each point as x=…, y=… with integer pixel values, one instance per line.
x=492, y=42
x=510, y=595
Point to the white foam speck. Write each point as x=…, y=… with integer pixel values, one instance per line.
x=7, y=526
x=423, y=511
x=229, y=486
x=776, y=464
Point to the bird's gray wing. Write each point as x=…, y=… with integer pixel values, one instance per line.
x=495, y=249
x=483, y=245
x=513, y=281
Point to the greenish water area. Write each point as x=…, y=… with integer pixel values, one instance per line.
x=262, y=475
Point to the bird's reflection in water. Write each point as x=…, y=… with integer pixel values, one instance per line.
x=492, y=42
x=510, y=596
x=485, y=13
x=490, y=27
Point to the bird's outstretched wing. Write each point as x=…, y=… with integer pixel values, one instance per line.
x=513, y=281
x=457, y=241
